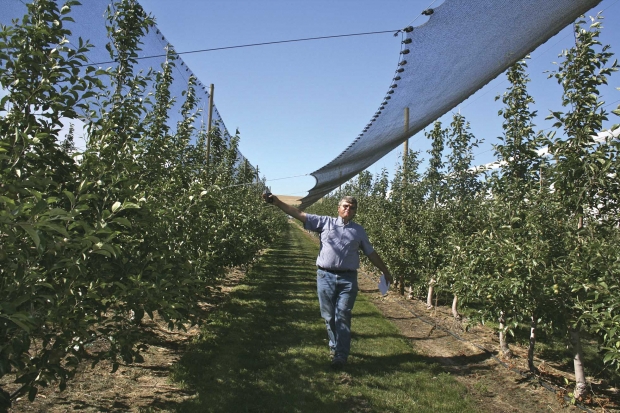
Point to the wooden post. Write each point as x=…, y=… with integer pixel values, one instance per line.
x=210, y=118
x=210, y=122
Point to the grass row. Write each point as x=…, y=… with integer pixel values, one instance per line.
x=266, y=350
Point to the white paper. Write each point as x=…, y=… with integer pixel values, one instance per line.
x=384, y=286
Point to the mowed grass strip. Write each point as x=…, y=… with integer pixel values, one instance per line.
x=266, y=350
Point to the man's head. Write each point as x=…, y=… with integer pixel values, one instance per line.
x=347, y=207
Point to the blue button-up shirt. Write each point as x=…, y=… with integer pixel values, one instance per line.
x=340, y=242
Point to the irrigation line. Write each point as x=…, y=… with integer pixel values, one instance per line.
x=549, y=386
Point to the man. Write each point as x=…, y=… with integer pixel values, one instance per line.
x=337, y=264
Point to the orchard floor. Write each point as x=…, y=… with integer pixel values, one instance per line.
x=435, y=338
x=472, y=357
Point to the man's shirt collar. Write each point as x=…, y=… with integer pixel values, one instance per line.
x=340, y=221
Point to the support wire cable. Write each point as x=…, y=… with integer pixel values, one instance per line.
x=288, y=177
x=262, y=44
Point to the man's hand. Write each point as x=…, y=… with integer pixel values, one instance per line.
x=388, y=278
x=269, y=198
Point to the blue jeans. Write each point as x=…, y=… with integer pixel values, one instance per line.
x=337, y=294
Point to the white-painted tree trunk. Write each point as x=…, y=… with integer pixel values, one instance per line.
x=530, y=351
x=580, y=378
x=429, y=297
x=455, y=311
x=410, y=293
x=503, y=344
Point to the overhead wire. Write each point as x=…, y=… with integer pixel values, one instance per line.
x=288, y=177
x=263, y=44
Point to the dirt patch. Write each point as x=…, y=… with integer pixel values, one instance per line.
x=471, y=356
x=140, y=387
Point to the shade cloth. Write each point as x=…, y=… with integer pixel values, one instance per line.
x=464, y=45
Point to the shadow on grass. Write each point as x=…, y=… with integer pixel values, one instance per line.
x=261, y=343
x=265, y=349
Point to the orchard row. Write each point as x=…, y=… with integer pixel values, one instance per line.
x=145, y=220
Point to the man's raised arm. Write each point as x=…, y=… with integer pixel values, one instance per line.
x=288, y=209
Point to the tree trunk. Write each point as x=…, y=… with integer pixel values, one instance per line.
x=400, y=280
x=580, y=378
x=530, y=351
x=503, y=344
x=455, y=311
x=429, y=298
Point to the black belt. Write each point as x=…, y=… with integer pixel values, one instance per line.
x=334, y=271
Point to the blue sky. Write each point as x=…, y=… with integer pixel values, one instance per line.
x=298, y=105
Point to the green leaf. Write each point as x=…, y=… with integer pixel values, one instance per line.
x=70, y=196
x=109, y=248
x=39, y=207
x=32, y=232
x=23, y=324
x=122, y=221
x=58, y=228
x=102, y=252
x=7, y=200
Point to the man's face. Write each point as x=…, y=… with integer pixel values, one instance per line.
x=347, y=211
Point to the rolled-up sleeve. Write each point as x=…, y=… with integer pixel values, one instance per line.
x=314, y=223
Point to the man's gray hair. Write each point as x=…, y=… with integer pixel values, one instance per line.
x=348, y=199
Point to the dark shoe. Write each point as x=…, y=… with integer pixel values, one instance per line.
x=338, y=364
